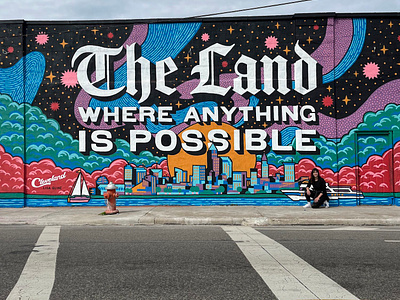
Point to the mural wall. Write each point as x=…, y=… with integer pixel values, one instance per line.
x=200, y=112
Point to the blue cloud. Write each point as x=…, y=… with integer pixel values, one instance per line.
x=23, y=89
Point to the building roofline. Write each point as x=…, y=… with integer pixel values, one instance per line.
x=206, y=20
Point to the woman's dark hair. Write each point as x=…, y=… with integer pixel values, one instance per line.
x=312, y=179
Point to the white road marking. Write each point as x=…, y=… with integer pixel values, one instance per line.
x=357, y=228
x=392, y=241
x=333, y=228
x=37, y=277
x=287, y=275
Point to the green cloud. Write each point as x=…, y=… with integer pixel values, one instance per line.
x=45, y=140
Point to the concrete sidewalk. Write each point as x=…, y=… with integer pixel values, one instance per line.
x=204, y=215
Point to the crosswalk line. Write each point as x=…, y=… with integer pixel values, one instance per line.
x=37, y=278
x=288, y=276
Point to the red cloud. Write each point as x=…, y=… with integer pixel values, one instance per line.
x=45, y=178
x=11, y=173
x=114, y=173
x=375, y=175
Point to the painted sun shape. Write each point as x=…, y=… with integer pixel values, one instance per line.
x=271, y=42
x=54, y=106
x=327, y=101
x=42, y=38
x=69, y=78
x=371, y=70
x=205, y=37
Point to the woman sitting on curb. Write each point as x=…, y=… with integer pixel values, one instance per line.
x=316, y=189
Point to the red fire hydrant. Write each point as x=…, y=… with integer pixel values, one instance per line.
x=111, y=197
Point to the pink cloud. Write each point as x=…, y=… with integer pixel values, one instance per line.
x=373, y=175
x=11, y=170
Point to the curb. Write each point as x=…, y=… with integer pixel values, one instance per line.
x=235, y=216
x=218, y=221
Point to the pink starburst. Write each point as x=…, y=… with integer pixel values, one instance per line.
x=69, y=78
x=205, y=37
x=271, y=42
x=371, y=70
x=42, y=38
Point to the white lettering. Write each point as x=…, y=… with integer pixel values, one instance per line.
x=101, y=141
x=220, y=143
x=160, y=75
x=298, y=71
x=255, y=139
x=101, y=55
x=39, y=182
x=131, y=61
x=173, y=140
x=275, y=143
x=249, y=77
x=206, y=70
x=138, y=137
x=269, y=76
x=186, y=137
x=301, y=140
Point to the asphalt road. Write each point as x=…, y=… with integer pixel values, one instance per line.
x=16, y=244
x=364, y=260
x=197, y=262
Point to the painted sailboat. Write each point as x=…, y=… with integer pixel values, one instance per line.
x=79, y=192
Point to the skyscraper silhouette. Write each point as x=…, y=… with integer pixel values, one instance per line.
x=213, y=161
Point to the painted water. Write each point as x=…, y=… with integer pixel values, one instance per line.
x=53, y=201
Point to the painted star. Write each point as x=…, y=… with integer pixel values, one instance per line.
x=346, y=100
x=187, y=57
x=287, y=50
x=63, y=43
x=51, y=76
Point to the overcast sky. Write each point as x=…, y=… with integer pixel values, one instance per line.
x=135, y=9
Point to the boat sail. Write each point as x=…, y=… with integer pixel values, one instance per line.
x=79, y=191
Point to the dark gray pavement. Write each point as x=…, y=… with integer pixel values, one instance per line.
x=205, y=215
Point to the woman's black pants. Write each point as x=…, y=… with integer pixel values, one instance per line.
x=313, y=196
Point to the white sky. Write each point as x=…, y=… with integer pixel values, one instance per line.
x=149, y=9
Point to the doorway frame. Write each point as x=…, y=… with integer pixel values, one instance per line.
x=388, y=133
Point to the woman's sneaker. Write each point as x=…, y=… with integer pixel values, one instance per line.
x=308, y=205
x=326, y=204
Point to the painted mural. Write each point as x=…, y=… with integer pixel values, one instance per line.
x=202, y=112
